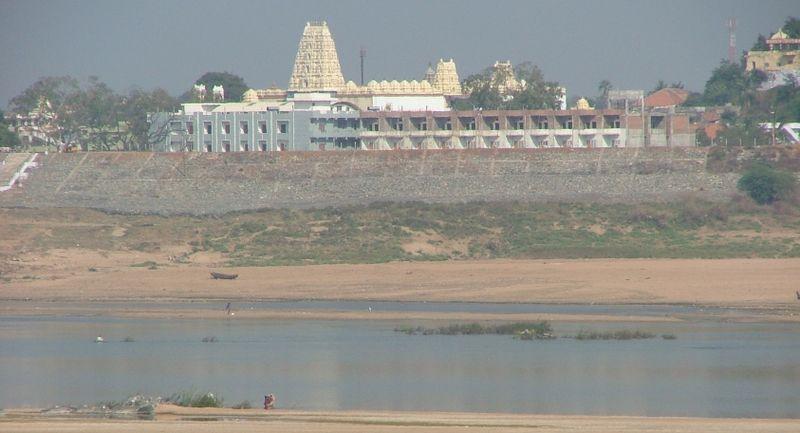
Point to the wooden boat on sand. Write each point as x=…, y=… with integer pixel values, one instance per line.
x=221, y=276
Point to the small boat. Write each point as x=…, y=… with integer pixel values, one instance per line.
x=99, y=339
x=221, y=276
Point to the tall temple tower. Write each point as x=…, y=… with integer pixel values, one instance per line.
x=445, y=79
x=316, y=66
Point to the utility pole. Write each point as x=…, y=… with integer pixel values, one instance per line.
x=363, y=55
x=732, y=41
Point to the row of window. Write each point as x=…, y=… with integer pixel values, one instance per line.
x=469, y=125
x=394, y=124
x=244, y=146
x=244, y=127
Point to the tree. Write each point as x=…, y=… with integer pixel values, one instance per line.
x=760, y=44
x=603, y=88
x=484, y=90
x=7, y=137
x=660, y=85
x=233, y=85
x=97, y=112
x=730, y=84
x=792, y=27
x=134, y=108
x=54, y=98
x=765, y=184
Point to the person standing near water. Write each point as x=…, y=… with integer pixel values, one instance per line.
x=269, y=402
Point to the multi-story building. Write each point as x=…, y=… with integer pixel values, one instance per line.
x=321, y=111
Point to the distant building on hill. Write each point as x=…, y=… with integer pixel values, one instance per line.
x=783, y=54
x=780, y=61
x=321, y=111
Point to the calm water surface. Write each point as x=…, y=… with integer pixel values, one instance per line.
x=711, y=369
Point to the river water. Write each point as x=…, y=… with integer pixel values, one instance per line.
x=712, y=368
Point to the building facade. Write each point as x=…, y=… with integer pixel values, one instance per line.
x=322, y=111
x=253, y=127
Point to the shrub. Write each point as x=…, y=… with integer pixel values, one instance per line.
x=193, y=399
x=765, y=184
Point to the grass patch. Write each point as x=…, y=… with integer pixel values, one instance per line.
x=385, y=232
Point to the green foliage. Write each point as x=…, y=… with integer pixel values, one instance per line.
x=137, y=134
x=792, y=27
x=765, y=184
x=624, y=334
x=743, y=132
x=233, y=85
x=484, y=92
x=529, y=329
x=760, y=44
x=7, y=137
x=195, y=399
x=93, y=115
x=729, y=84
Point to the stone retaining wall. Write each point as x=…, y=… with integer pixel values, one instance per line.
x=211, y=183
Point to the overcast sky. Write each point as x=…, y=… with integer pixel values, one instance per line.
x=170, y=43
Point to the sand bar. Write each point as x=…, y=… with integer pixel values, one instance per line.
x=174, y=419
x=729, y=282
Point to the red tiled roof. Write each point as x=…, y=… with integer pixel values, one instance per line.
x=666, y=98
x=711, y=116
x=713, y=129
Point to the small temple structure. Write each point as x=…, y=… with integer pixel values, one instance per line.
x=317, y=70
x=783, y=54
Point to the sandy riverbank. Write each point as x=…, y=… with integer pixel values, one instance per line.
x=175, y=419
x=66, y=275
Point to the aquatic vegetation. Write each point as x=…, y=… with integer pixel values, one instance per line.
x=624, y=334
x=209, y=339
x=522, y=330
x=668, y=336
x=128, y=339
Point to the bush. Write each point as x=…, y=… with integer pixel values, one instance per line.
x=193, y=399
x=765, y=184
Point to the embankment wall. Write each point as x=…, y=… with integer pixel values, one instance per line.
x=212, y=183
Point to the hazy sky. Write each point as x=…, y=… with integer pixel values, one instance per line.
x=170, y=43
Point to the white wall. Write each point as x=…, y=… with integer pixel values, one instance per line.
x=410, y=103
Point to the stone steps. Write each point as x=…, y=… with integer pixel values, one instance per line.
x=10, y=169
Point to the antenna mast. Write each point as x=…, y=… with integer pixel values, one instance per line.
x=363, y=55
x=732, y=40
